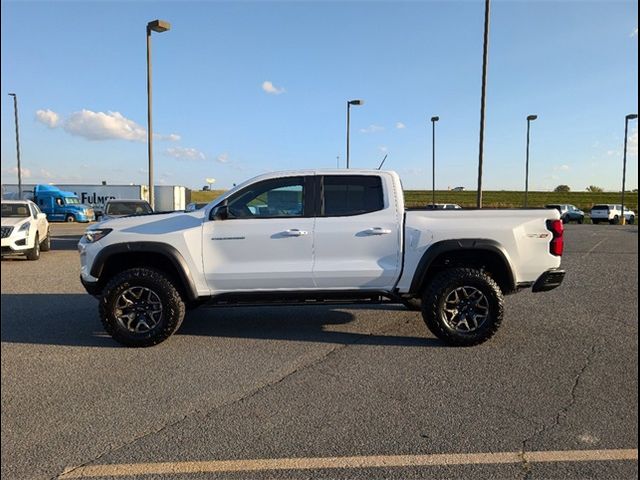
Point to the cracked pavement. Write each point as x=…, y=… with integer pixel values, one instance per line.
x=245, y=383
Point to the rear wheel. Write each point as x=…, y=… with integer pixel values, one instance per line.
x=141, y=307
x=615, y=220
x=45, y=245
x=463, y=306
x=632, y=220
x=580, y=220
x=34, y=253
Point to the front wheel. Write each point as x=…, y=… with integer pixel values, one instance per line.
x=580, y=220
x=70, y=218
x=45, y=245
x=141, y=307
x=34, y=253
x=463, y=306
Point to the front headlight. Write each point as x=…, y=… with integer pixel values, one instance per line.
x=25, y=226
x=91, y=236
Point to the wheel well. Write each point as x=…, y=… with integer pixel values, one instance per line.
x=119, y=262
x=488, y=261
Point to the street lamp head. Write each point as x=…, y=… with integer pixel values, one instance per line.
x=532, y=117
x=159, y=26
x=12, y=94
x=435, y=119
x=356, y=102
x=631, y=116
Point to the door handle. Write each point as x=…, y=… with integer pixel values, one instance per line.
x=294, y=232
x=377, y=231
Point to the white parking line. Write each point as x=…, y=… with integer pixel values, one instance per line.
x=317, y=463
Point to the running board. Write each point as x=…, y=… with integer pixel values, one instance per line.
x=300, y=298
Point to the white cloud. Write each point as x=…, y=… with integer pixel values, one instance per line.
x=50, y=118
x=108, y=126
x=26, y=173
x=561, y=168
x=46, y=173
x=223, y=158
x=400, y=125
x=632, y=147
x=269, y=87
x=383, y=149
x=172, y=137
x=185, y=153
x=634, y=33
x=372, y=129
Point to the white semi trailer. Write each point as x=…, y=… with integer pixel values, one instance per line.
x=167, y=197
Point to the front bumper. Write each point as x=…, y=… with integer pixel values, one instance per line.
x=92, y=288
x=18, y=242
x=549, y=280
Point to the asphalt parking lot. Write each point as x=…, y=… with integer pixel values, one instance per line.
x=325, y=391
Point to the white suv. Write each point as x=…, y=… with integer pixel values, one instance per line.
x=611, y=214
x=25, y=229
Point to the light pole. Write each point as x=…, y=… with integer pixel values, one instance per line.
x=631, y=116
x=433, y=158
x=157, y=26
x=15, y=116
x=349, y=103
x=530, y=118
x=483, y=95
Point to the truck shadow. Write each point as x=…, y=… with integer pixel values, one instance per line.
x=72, y=320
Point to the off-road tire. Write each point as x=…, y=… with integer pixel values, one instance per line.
x=173, y=307
x=441, y=286
x=45, y=245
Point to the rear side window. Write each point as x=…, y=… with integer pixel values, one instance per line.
x=345, y=195
x=601, y=207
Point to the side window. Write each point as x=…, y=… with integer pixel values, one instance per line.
x=280, y=197
x=345, y=195
x=34, y=211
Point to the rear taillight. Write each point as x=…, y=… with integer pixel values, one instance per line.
x=557, y=241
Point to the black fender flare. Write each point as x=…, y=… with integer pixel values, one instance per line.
x=164, y=249
x=445, y=246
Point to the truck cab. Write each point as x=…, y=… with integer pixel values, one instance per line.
x=60, y=205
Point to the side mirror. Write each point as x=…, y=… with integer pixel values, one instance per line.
x=220, y=213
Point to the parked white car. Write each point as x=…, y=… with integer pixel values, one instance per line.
x=443, y=206
x=611, y=214
x=25, y=229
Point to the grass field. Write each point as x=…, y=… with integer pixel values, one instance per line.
x=504, y=199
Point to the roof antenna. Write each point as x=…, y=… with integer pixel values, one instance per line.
x=383, y=160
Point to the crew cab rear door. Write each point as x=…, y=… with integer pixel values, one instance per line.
x=357, y=237
x=266, y=243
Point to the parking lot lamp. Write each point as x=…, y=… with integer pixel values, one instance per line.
x=15, y=116
x=530, y=118
x=433, y=158
x=157, y=26
x=631, y=116
x=349, y=103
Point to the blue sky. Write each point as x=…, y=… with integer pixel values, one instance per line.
x=79, y=71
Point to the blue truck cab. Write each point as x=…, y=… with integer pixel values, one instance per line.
x=61, y=206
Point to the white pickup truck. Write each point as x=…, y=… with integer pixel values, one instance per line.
x=314, y=236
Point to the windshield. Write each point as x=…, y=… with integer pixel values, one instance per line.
x=15, y=210
x=71, y=201
x=128, y=208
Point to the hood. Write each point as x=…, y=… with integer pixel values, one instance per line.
x=153, y=222
x=14, y=222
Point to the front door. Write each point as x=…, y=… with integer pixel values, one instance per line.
x=266, y=242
